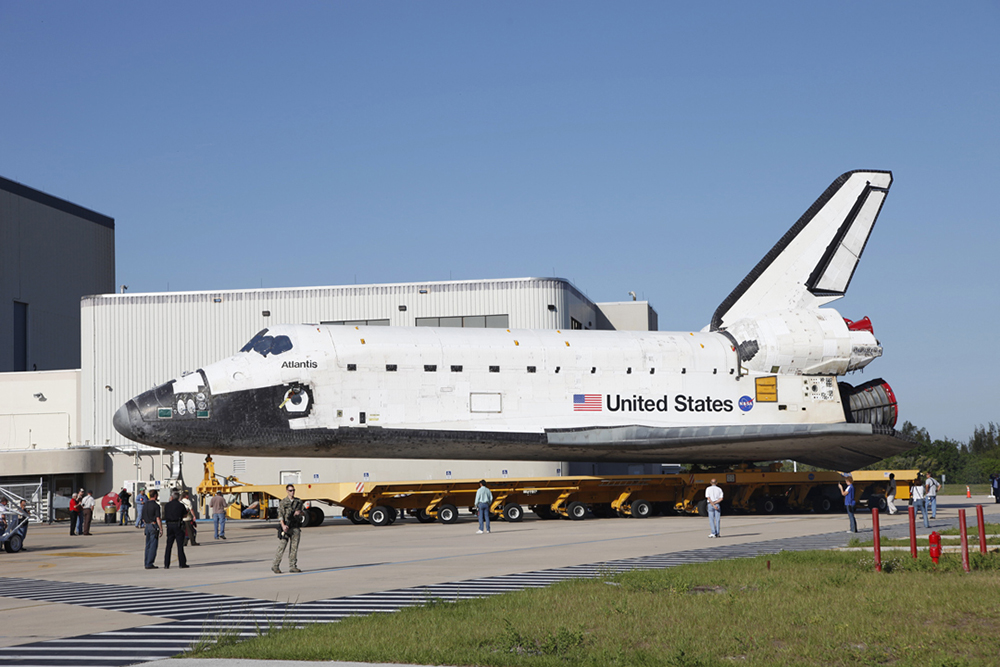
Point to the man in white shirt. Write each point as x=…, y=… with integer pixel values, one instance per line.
x=713, y=494
x=931, y=487
x=483, y=499
x=88, y=511
x=890, y=494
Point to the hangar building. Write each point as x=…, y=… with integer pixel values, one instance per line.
x=131, y=342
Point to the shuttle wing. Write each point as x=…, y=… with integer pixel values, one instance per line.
x=814, y=261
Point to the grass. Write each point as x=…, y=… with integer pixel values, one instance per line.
x=809, y=608
x=978, y=490
x=949, y=536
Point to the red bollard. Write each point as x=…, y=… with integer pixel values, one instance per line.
x=878, y=541
x=934, y=542
x=913, y=531
x=965, y=540
x=982, y=529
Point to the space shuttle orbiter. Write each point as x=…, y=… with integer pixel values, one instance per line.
x=759, y=383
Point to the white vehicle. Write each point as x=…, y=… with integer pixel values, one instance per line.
x=759, y=383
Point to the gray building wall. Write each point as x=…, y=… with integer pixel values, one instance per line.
x=52, y=253
x=627, y=316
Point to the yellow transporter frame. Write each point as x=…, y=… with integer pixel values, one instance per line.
x=639, y=496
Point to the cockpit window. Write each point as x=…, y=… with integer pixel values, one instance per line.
x=265, y=345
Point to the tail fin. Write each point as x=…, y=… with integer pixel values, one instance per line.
x=814, y=261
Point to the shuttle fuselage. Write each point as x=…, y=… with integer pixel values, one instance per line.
x=760, y=383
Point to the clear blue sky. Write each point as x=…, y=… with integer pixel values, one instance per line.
x=657, y=147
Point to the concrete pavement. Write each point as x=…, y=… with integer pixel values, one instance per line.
x=340, y=559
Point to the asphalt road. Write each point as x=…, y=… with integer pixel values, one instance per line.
x=340, y=559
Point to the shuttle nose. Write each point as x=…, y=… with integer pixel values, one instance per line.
x=123, y=420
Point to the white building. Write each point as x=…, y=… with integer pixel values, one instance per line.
x=132, y=342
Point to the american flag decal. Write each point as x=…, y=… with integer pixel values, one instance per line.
x=587, y=402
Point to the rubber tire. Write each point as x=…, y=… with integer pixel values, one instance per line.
x=768, y=506
x=702, y=507
x=307, y=518
x=640, y=509
x=879, y=503
x=380, y=515
x=13, y=544
x=447, y=513
x=513, y=512
x=824, y=505
x=393, y=514
x=543, y=512
x=576, y=511
x=353, y=516
x=316, y=516
x=423, y=516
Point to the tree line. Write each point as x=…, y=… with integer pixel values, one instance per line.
x=971, y=462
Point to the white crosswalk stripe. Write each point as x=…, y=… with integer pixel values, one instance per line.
x=196, y=615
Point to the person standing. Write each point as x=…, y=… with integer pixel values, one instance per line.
x=140, y=500
x=931, y=487
x=919, y=502
x=849, y=502
x=483, y=499
x=713, y=496
x=88, y=511
x=218, y=506
x=890, y=494
x=74, y=513
x=154, y=529
x=173, y=515
x=289, y=518
x=24, y=528
x=190, y=527
x=995, y=483
x=124, y=498
x=79, y=503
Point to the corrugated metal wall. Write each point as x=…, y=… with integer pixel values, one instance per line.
x=132, y=342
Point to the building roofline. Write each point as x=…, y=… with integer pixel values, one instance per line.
x=51, y=201
x=272, y=290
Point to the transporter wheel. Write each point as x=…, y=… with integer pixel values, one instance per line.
x=380, y=515
x=543, y=512
x=641, y=509
x=447, y=513
x=879, y=503
x=824, y=505
x=768, y=506
x=306, y=520
x=423, y=516
x=702, y=507
x=576, y=510
x=513, y=512
x=316, y=515
x=14, y=544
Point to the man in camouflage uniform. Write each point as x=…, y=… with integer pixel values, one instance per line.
x=290, y=511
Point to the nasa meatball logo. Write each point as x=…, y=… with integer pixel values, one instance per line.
x=746, y=403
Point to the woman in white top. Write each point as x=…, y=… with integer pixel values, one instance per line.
x=917, y=496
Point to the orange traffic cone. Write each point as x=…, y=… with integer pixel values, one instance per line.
x=968, y=493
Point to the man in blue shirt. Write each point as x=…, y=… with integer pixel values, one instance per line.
x=848, y=494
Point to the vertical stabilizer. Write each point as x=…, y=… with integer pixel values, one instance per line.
x=814, y=261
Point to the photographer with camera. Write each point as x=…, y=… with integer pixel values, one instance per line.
x=290, y=515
